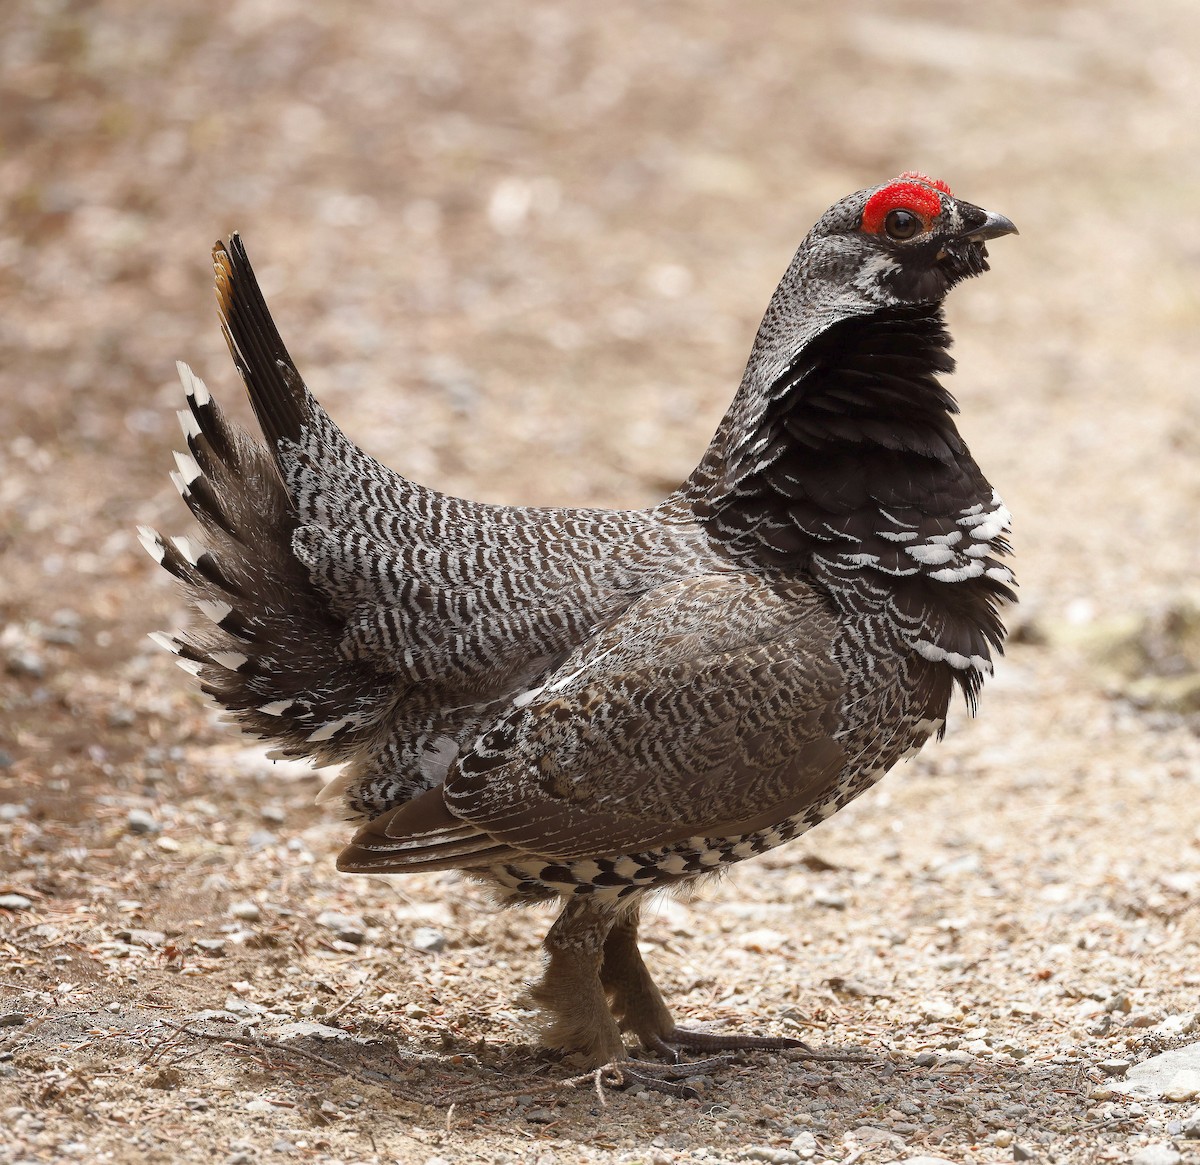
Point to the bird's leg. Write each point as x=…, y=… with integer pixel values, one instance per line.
x=636, y=1001
x=570, y=992
x=638, y=1005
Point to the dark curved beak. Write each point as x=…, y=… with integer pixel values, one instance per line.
x=992, y=227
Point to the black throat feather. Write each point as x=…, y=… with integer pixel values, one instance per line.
x=855, y=471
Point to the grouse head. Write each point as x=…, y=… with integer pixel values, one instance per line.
x=906, y=241
x=894, y=247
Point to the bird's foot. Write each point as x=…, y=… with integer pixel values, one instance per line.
x=673, y=1079
x=681, y=1039
x=672, y=1075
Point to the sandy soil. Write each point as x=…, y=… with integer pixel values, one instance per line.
x=519, y=251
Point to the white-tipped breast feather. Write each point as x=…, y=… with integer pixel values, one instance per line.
x=191, y=550
x=229, y=659
x=213, y=609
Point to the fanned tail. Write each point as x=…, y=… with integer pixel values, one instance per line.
x=269, y=647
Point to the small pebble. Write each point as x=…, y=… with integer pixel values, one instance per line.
x=15, y=902
x=804, y=1145
x=770, y=1155
x=211, y=946
x=141, y=822
x=925, y=1059
x=1184, y=1085
x=1021, y=1153
x=347, y=927
x=1146, y=1019
x=426, y=938
x=246, y=911
x=1114, y=1067
x=26, y=662
x=539, y=1116
x=830, y=899
x=142, y=938
x=306, y=1029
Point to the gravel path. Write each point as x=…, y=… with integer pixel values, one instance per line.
x=519, y=251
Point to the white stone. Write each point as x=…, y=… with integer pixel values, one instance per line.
x=1156, y=1155
x=1176, y=1071
x=1183, y=1085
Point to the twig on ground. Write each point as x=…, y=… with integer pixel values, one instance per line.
x=259, y=1044
x=344, y=1004
x=839, y=1057
x=609, y=1074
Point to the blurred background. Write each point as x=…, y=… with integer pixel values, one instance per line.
x=519, y=251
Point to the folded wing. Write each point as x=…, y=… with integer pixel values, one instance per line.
x=706, y=708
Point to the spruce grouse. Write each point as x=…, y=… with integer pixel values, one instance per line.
x=590, y=704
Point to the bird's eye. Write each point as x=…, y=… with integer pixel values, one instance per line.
x=901, y=224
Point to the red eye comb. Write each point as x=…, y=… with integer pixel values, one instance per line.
x=911, y=191
x=917, y=176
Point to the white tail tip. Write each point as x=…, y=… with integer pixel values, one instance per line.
x=192, y=384
x=151, y=543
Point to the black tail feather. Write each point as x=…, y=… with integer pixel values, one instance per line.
x=277, y=393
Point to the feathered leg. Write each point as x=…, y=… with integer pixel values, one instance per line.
x=638, y=1004
x=570, y=991
x=573, y=995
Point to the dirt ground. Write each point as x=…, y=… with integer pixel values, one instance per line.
x=519, y=251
